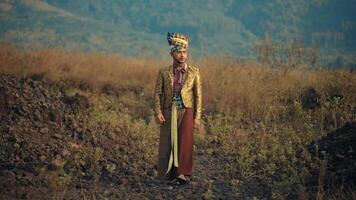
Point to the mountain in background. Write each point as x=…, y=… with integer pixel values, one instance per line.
x=139, y=27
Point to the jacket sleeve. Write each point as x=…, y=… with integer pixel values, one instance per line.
x=158, y=91
x=198, y=96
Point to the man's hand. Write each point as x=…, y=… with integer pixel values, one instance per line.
x=160, y=118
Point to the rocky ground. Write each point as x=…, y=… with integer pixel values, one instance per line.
x=48, y=152
x=337, y=150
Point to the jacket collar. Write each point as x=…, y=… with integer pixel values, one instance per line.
x=169, y=70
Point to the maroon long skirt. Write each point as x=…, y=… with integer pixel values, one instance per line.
x=185, y=144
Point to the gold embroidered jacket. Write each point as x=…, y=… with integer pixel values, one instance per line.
x=191, y=91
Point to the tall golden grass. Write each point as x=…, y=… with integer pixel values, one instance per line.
x=230, y=86
x=95, y=69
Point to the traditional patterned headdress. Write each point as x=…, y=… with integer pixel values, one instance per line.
x=177, y=41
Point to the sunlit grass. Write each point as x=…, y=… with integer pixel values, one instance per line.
x=262, y=117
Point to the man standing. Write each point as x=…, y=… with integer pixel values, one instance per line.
x=178, y=106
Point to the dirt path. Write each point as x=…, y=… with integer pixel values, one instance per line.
x=208, y=183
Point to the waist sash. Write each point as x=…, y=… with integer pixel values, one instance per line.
x=173, y=158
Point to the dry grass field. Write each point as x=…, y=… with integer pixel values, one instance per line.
x=260, y=124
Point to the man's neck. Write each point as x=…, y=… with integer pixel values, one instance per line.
x=178, y=64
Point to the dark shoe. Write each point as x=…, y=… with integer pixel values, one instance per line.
x=181, y=181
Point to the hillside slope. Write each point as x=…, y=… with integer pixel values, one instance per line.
x=139, y=27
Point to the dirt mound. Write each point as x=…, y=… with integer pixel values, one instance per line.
x=338, y=150
x=45, y=143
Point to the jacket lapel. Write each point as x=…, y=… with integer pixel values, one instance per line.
x=187, y=76
x=170, y=74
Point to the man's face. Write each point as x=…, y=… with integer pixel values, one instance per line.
x=180, y=56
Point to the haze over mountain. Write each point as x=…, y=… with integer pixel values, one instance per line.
x=139, y=27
